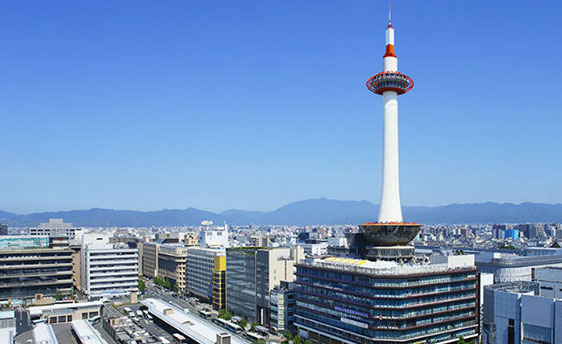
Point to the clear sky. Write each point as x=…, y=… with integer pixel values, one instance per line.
x=253, y=104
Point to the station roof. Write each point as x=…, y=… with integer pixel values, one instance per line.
x=185, y=323
x=86, y=332
x=38, y=310
x=44, y=334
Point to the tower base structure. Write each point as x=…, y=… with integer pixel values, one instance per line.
x=401, y=254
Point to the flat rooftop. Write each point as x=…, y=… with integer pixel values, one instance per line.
x=187, y=324
x=385, y=268
x=44, y=334
x=38, y=310
x=87, y=333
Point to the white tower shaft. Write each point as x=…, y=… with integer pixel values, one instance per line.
x=390, y=209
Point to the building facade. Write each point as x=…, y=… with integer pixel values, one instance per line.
x=108, y=270
x=56, y=227
x=283, y=307
x=172, y=259
x=342, y=300
x=28, y=266
x=516, y=312
x=150, y=259
x=251, y=274
x=219, y=282
x=200, y=269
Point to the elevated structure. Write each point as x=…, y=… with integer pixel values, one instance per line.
x=390, y=230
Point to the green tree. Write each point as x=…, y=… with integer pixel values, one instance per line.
x=252, y=325
x=227, y=316
x=307, y=342
x=461, y=340
x=243, y=323
x=288, y=335
x=58, y=295
x=166, y=283
x=176, y=288
x=297, y=340
x=222, y=312
x=142, y=286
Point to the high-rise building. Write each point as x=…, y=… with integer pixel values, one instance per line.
x=107, y=270
x=251, y=274
x=516, y=312
x=343, y=300
x=283, y=307
x=150, y=259
x=219, y=282
x=30, y=266
x=200, y=270
x=213, y=237
x=387, y=297
x=172, y=259
x=550, y=279
x=56, y=227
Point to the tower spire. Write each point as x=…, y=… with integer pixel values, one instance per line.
x=389, y=15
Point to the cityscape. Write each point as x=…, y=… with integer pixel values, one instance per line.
x=318, y=271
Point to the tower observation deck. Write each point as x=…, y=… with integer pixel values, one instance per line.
x=390, y=230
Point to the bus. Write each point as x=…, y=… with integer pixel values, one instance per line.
x=127, y=310
x=232, y=327
x=149, y=317
x=254, y=336
x=205, y=313
x=163, y=340
x=94, y=320
x=220, y=321
x=180, y=338
x=139, y=314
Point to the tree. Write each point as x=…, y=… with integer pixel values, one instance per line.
x=243, y=323
x=176, y=288
x=252, y=325
x=288, y=335
x=307, y=342
x=58, y=295
x=297, y=340
x=461, y=340
x=142, y=286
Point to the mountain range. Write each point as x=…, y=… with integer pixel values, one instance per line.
x=307, y=212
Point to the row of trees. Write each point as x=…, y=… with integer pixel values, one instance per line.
x=165, y=283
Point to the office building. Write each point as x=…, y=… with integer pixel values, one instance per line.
x=283, y=307
x=512, y=267
x=219, y=282
x=200, y=271
x=259, y=241
x=107, y=270
x=213, y=237
x=66, y=312
x=251, y=274
x=150, y=258
x=550, y=279
x=516, y=312
x=3, y=229
x=29, y=266
x=344, y=300
x=172, y=259
x=56, y=227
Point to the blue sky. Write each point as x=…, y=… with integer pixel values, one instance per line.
x=254, y=104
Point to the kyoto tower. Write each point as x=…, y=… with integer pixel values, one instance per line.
x=390, y=230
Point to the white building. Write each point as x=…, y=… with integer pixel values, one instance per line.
x=200, y=267
x=56, y=227
x=317, y=249
x=7, y=327
x=107, y=270
x=213, y=237
x=517, y=313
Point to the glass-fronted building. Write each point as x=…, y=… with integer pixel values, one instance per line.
x=343, y=300
x=241, y=282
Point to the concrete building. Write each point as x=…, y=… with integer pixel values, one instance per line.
x=316, y=249
x=3, y=229
x=107, y=270
x=283, y=307
x=219, y=283
x=251, y=274
x=44, y=334
x=259, y=241
x=342, y=300
x=213, y=237
x=66, y=312
x=189, y=238
x=29, y=266
x=172, y=259
x=85, y=333
x=200, y=270
x=56, y=227
x=150, y=259
x=7, y=327
x=550, y=280
x=511, y=267
x=516, y=312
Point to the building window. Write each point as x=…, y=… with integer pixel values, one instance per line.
x=511, y=332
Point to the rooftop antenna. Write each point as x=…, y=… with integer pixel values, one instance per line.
x=389, y=14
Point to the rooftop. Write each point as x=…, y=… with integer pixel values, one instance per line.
x=188, y=324
x=87, y=333
x=44, y=334
x=38, y=310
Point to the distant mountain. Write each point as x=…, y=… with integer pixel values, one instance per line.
x=307, y=212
